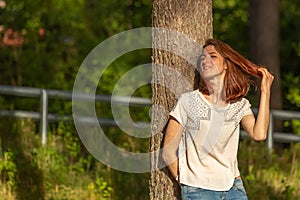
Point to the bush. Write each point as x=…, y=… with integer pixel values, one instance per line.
x=64, y=170
x=270, y=176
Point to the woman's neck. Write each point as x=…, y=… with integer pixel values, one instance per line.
x=216, y=95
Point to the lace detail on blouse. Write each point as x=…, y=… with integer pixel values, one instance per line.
x=235, y=112
x=198, y=110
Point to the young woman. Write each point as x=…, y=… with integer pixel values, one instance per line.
x=202, y=136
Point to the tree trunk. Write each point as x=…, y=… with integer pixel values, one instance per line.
x=193, y=18
x=264, y=41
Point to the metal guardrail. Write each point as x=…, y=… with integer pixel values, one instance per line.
x=273, y=136
x=44, y=117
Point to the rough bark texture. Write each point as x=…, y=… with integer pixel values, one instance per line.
x=264, y=41
x=194, y=19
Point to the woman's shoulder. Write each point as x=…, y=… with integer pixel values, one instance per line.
x=193, y=92
x=241, y=103
x=188, y=95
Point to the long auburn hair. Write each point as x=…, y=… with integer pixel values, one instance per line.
x=239, y=74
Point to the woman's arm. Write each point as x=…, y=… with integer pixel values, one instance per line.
x=171, y=143
x=258, y=128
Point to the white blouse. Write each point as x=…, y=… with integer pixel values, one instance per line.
x=208, y=147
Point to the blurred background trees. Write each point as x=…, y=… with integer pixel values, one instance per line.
x=43, y=43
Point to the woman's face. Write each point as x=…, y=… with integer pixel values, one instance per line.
x=212, y=63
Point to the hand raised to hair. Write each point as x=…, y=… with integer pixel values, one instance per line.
x=266, y=81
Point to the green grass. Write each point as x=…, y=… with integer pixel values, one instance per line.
x=267, y=176
x=63, y=169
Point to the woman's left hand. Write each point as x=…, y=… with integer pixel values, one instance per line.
x=267, y=80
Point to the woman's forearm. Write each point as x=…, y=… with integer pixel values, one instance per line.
x=171, y=142
x=261, y=126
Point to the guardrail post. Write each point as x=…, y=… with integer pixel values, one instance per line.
x=270, y=134
x=44, y=116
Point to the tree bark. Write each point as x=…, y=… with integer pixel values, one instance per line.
x=192, y=18
x=264, y=41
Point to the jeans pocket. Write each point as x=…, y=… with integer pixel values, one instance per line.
x=239, y=186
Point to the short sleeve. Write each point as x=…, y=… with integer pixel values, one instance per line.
x=247, y=108
x=180, y=110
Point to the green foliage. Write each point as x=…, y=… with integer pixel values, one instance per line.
x=230, y=22
x=45, y=53
x=65, y=174
x=13, y=142
x=293, y=96
x=58, y=35
x=67, y=170
x=266, y=176
x=8, y=170
x=294, y=90
x=289, y=32
x=290, y=54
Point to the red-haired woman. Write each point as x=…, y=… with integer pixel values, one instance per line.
x=202, y=136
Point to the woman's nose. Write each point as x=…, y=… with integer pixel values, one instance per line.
x=206, y=59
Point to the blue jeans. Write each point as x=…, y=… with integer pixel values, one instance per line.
x=237, y=191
